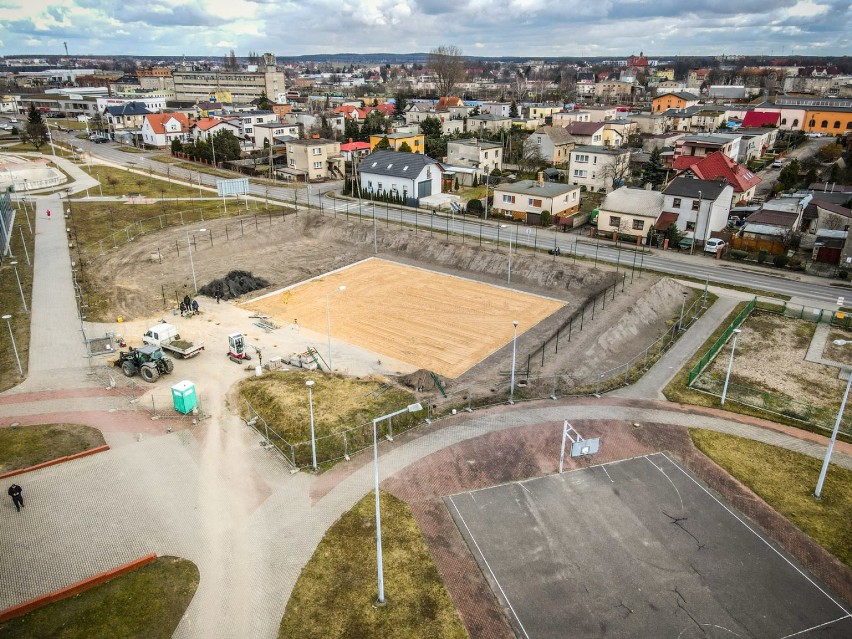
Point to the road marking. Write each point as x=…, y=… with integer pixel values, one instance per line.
x=827, y=623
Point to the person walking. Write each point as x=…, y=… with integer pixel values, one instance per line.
x=182, y=309
x=195, y=306
x=218, y=293
x=187, y=302
x=17, y=498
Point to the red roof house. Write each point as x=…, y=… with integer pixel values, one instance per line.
x=718, y=166
x=758, y=119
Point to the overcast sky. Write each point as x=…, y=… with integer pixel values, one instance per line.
x=478, y=27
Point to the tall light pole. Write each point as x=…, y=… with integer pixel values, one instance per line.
x=14, y=347
x=487, y=180
x=509, y=276
x=682, y=306
x=191, y=262
x=14, y=265
x=824, y=471
x=514, y=351
x=310, y=385
x=411, y=408
x=328, y=295
x=730, y=365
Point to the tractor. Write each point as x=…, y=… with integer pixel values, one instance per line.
x=147, y=360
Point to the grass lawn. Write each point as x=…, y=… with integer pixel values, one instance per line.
x=339, y=403
x=11, y=304
x=334, y=595
x=786, y=481
x=130, y=149
x=147, y=602
x=73, y=125
x=24, y=446
x=121, y=182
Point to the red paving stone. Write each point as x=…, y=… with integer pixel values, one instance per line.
x=41, y=396
x=125, y=421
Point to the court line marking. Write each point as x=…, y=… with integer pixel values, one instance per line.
x=607, y=474
x=487, y=565
x=801, y=632
x=682, y=507
x=755, y=533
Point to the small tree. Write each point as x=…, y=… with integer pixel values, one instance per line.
x=829, y=153
x=456, y=184
x=177, y=146
x=545, y=218
x=654, y=171
x=383, y=144
x=403, y=148
x=35, y=130
x=431, y=127
x=513, y=110
x=400, y=104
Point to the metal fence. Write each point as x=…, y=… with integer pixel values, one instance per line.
x=719, y=343
x=814, y=314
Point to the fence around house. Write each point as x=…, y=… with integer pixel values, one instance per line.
x=719, y=343
x=838, y=318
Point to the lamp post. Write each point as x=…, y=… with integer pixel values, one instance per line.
x=514, y=351
x=682, y=306
x=14, y=265
x=487, y=180
x=310, y=385
x=328, y=295
x=191, y=262
x=509, y=276
x=730, y=365
x=411, y=408
x=824, y=471
x=14, y=347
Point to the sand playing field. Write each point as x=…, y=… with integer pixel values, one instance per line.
x=442, y=323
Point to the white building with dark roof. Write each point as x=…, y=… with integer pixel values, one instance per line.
x=410, y=175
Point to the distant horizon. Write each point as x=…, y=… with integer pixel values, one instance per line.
x=498, y=29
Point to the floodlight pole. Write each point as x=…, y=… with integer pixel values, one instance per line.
x=514, y=350
x=14, y=265
x=328, y=295
x=827, y=461
x=310, y=384
x=14, y=346
x=411, y=408
x=730, y=365
x=682, y=306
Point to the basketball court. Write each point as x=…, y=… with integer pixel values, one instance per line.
x=637, y=548
x=430, y=320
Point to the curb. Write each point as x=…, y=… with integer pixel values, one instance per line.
x=73, y=589
x=53, y=462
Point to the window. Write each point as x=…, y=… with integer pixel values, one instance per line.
x=292, y=162
x=849, y=125
x=638, y=225
x=581, y=158
x=796, y=123
x=509, y=199
x=579, y=173
x=369, y=185
x=380, y=186
x=416, y=142
x=538, y=139
x=837, y=124
x=824, y=124
x=594, y=159
x=676, y=203
x=690, y=226
x=535, y=203
x=783, y=121
x=428, y=173
x=317, y=151
x=317, y=165
x=696, y=204
x=614, y=221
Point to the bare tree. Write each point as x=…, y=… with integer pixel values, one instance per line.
x=617, y=171
x=447, y=64
x=833, y=222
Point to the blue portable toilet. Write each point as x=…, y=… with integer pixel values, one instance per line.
x=184, y=396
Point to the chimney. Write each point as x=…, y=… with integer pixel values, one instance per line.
x=315, y=136
x=540, y=178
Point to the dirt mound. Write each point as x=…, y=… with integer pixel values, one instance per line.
x=234, y=284
x=420, y=380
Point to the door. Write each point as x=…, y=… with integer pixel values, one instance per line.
x=424, y=188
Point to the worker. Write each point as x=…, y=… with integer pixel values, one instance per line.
x=194, y=306
x=182, y=308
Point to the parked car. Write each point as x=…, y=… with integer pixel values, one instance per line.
x=714, y=244
x=13, y=120
x=777, y=164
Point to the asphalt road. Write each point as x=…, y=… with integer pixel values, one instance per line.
x=807, y=289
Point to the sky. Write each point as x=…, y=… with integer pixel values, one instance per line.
x=534, y=28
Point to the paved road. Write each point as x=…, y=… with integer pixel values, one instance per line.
x=808, y=289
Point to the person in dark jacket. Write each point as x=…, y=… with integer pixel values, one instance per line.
x=194, y=306
x=15, y=493
x=218, y=293
x=183, y=309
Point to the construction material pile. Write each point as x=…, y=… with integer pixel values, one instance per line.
x=234, y=284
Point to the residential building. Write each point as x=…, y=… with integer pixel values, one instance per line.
x=314, y=159
x=415, y=141
x=410, y=175
x=159, y=129
x=526, y=199
x=616, y=132
x=822, y=214
x=598, y=168
x=273, y=133
x=672, y=100
x=697, y=208
x=496, y=108
x=488, y=122
x=601, y=113
x=129, y=116
x=614, y=91
x=554, y=144
x=244, y=86
x=699, y=146
x=648, y=123
x=629, y=211
x=718, y=166
x=482, y=155
x=354, y=150
x=205, y=128
x=587, y=133
x=564, y=118
x=156, y=79
x=754, y=143
x=540, y=112
x=759, y=119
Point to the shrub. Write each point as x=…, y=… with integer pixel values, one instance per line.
x=843, y=274
x=474, y=206
x=761, y=257
x=780, y=261
x=738, y=254
x=796, y=263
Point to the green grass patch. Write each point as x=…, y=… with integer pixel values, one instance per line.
x=167, y=159
x=11, y=296
x=25, y=446
x=147, y=602
x=340, y=403
x=123, y=182
x=73, y=125
x=678, y=390
x=130, y=149
x=334, y=595
x=786, y=481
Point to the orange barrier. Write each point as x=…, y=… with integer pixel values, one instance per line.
x=53, y=462
x=73, y=589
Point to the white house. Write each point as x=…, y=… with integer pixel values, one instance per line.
x=205, y=128
x=629, y=211
x=159, y=129
x=411, y=175
x=598, y=168
x=696, y=207
x=272, y=131
x=484, y=156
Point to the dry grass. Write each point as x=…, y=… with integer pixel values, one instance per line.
x=786, y=481
x=842, y=354
x=122, y=182
x=147, y=602
x=333, y=598
x=11, y=304
x=25, y=446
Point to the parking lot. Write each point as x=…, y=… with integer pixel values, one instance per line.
x=637, y=548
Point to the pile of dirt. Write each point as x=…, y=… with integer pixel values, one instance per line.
x=420, y=380
x=234, y=284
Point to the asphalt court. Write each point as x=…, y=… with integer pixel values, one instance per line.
x=637, y=548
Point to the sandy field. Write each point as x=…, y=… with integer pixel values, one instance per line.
x=430, y=320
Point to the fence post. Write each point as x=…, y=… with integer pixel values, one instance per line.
x=345, y=447
x=582, y=317
x=557, y=341
x=543, y=344
x=293, y=455
x=613, y=290
x=604, y=300
x=570, y=326
x=623, y=278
